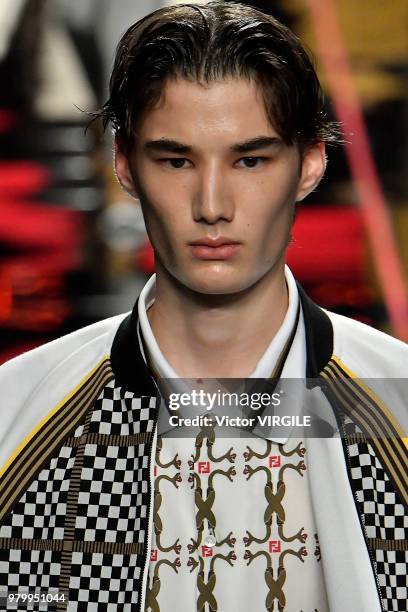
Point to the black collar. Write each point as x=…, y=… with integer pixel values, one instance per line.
x=132, y=373
x=319, y=335
x=127, y=360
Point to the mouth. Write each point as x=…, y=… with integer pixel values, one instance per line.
x=214, y=249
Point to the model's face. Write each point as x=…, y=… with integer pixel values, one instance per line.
x=209, y=168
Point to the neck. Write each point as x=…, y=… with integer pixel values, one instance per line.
x=217, y=336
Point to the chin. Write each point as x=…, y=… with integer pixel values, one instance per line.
x=210, y=283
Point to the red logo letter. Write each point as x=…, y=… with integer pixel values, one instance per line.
x=204, y=467
x=274, y=546
x=274, y=461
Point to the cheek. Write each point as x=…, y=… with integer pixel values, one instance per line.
x=163, y=200
x=157, y=205
x=271, y=218
x=271, y=190
x=269, y=233
x=159, y=226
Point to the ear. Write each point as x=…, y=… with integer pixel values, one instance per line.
x=313, y=168
x=122, y=170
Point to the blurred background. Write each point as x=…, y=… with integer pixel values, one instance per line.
x=73, y=248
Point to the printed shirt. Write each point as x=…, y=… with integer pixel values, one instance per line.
x=233, y=523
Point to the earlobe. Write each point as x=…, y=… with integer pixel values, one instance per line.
x=313, y=168
x=122, y=169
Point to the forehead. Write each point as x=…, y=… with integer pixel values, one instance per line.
x=228, y=110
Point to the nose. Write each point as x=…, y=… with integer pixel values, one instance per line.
x=213, y=200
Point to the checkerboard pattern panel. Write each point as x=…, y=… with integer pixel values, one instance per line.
x=119, y=412
x=29, y=570
x=104, y=582
x=113, y=496
x=350, y=427
x=392, y=569
x=112, y=508
x=384, y=516
x=40, y=513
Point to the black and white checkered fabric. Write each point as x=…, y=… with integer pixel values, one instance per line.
x=40, y=513
x=104, y=582
x=383, y=514
x=30, y=570
x=111, y=510
x=119, y=412
x=113, y=495
x=384, y=518
x=392, y=568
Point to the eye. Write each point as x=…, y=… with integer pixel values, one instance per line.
x=252, y=162
x=175, y=162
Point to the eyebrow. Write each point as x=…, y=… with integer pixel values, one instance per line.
x=255, y=144
x=166, y=145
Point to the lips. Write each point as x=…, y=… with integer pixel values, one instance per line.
x=213, y=242
x=214, y=249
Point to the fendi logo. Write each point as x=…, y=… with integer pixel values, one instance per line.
x=274, y=461
x=274, y=546
x=204, y=467
x=206, y=551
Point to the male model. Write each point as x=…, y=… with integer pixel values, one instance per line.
x=219, y=131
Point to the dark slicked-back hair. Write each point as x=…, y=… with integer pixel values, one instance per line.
x=208, y=43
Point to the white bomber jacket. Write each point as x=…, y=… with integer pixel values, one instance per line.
x=77, y=436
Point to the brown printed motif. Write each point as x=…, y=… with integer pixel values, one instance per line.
x=275, y=545
x=275, y=578
x=208, y=433
x=175, y=479
x=204, y=507
x=153, y=588
x=275, y=585
x=205, y=517
x=206, y=588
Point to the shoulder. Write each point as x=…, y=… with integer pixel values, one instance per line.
x=37, y=382
x=92, y=339
x=367, y=351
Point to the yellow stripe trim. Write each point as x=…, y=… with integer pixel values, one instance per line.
x=49, y=416
x=366, y=404
x=375, y=399
x=393, y=454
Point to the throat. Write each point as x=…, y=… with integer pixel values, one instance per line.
x=216, y=342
